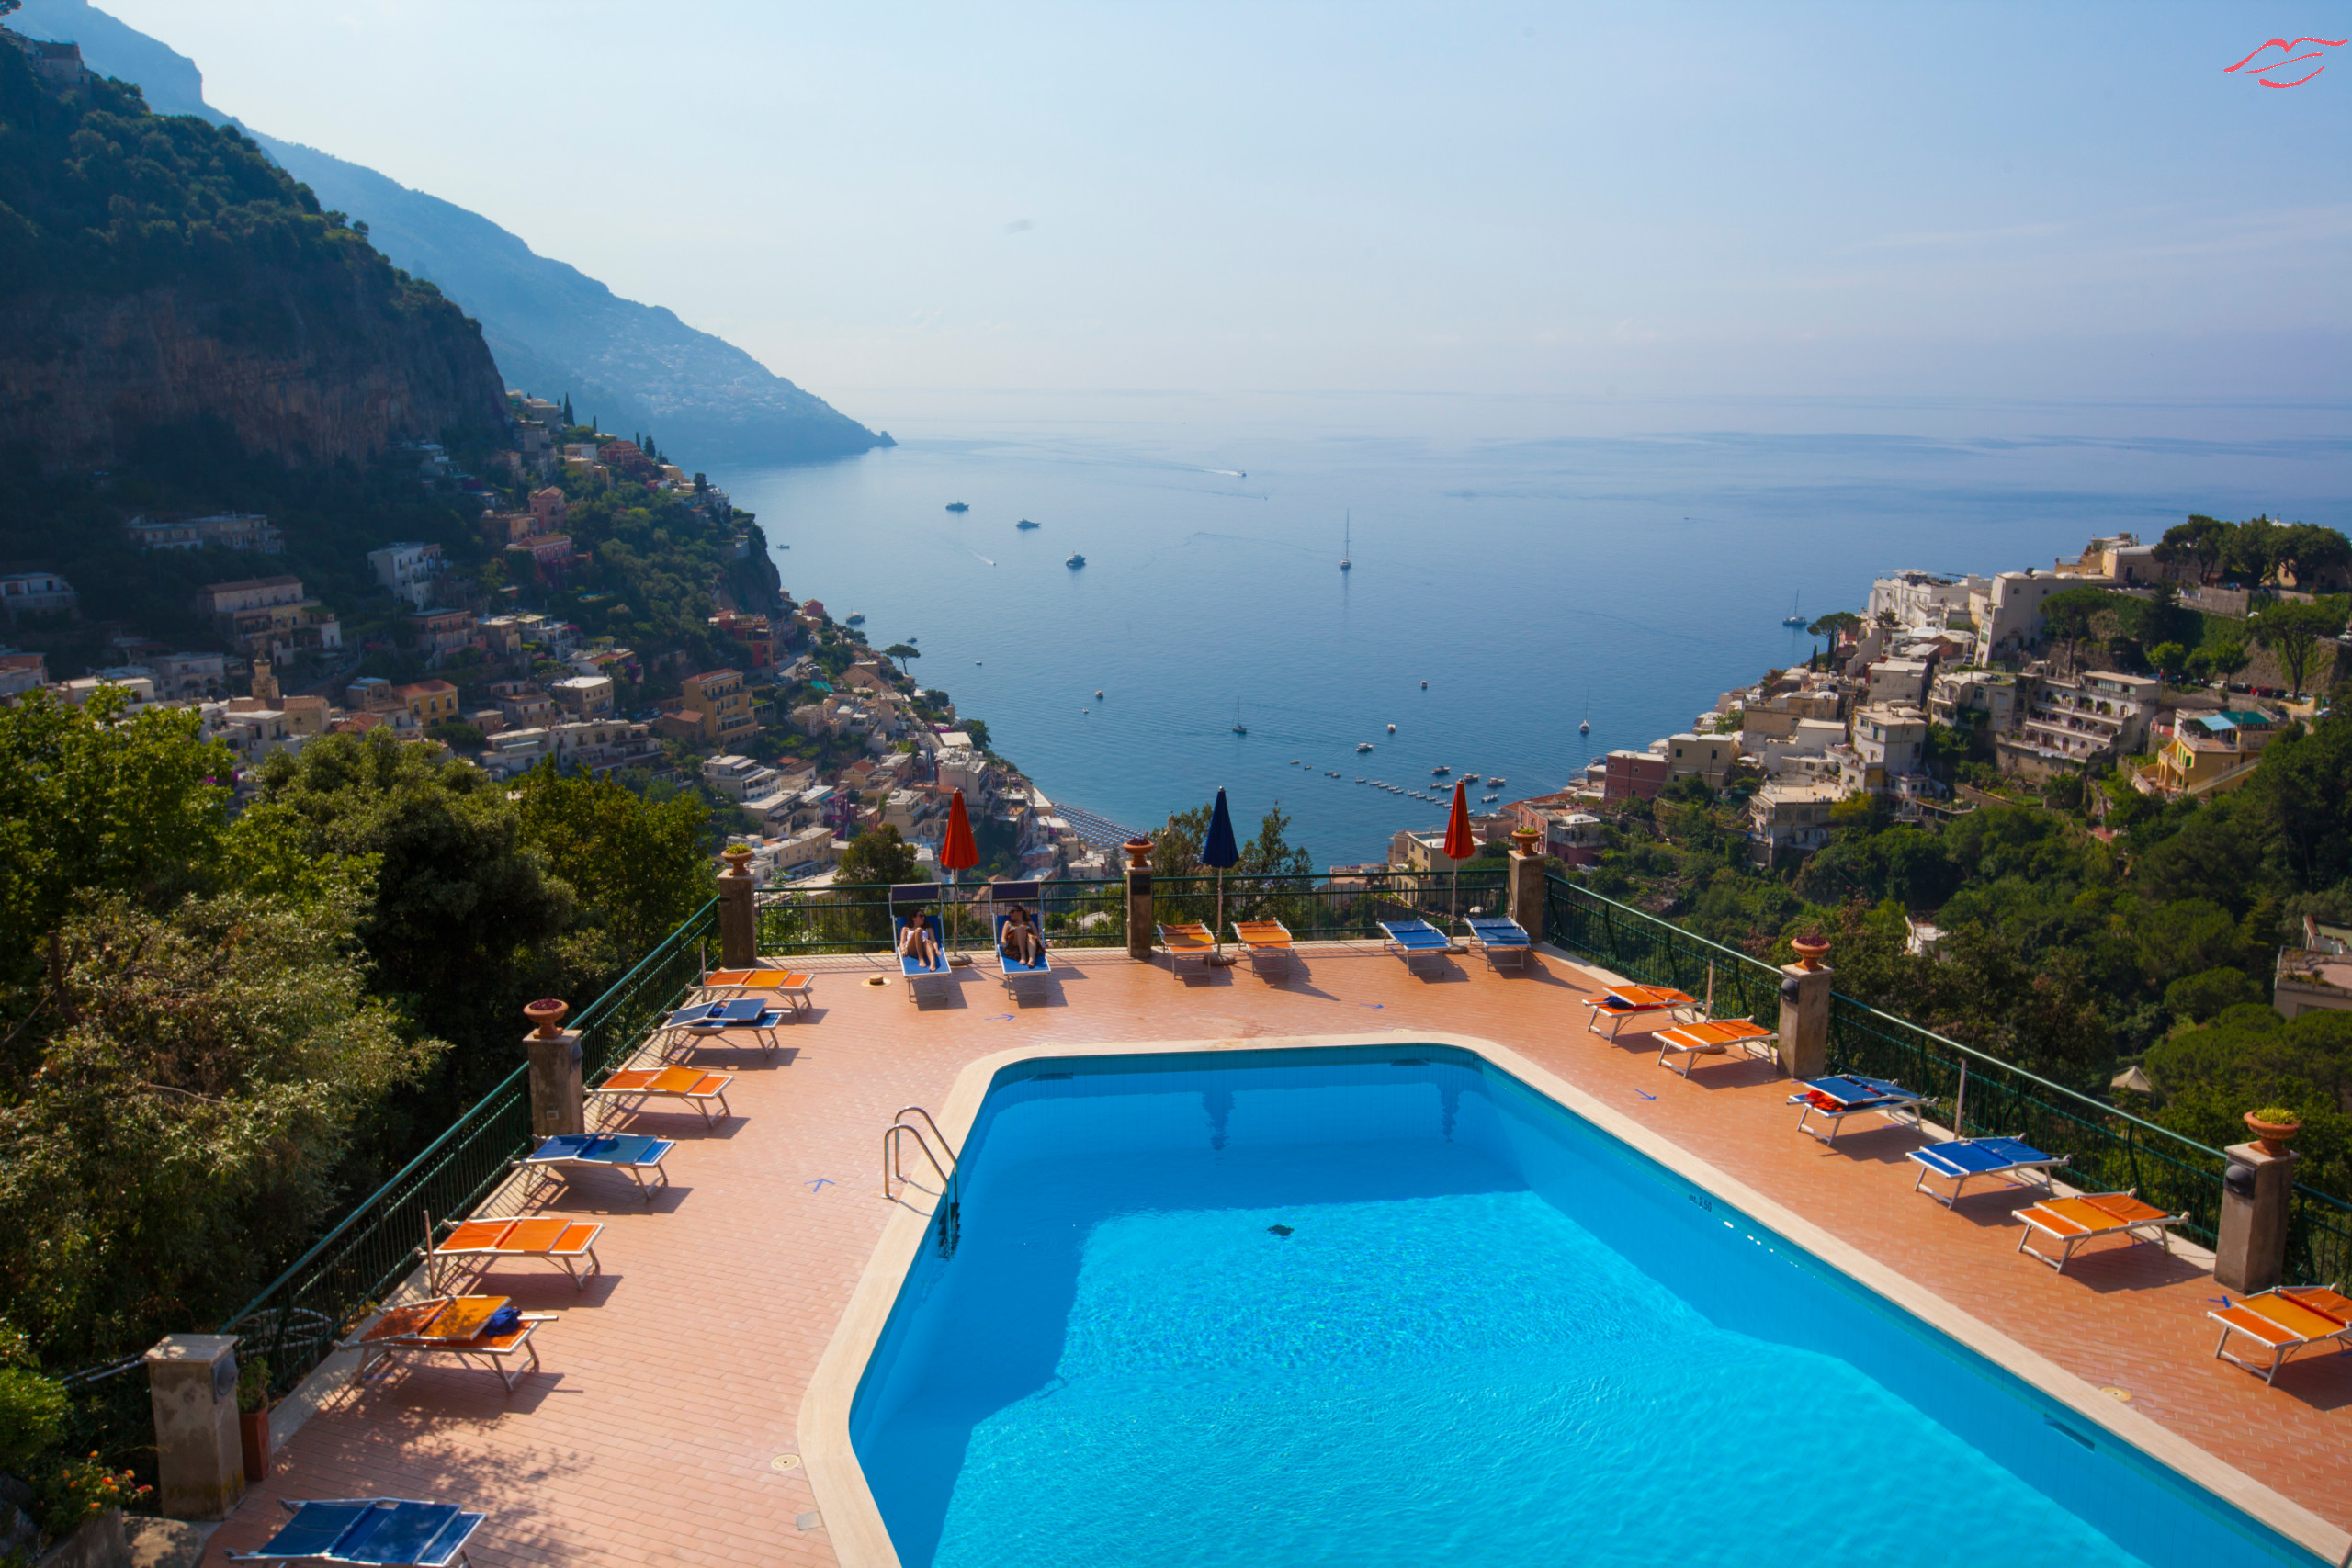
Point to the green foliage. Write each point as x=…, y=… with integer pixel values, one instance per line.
x=1836, y=624
x=2292, y=632
x=2169, y=659
x=876, y=856
x=459, y=736
x=253, y=1384
x=68, y=1496
x=2206, y=1079
x=2218, y=660
x=1176, y=848
x=978, y=728
x=2203, y=996
x=33, y=1411
x=638, y=866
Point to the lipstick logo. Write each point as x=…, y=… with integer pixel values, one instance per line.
x=2280, y=57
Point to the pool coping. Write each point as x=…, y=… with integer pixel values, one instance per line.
x=860, y=1538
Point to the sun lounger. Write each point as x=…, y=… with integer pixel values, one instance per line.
x=1003, y=896
x=692, y=1085
x=453, y=1325
x=1713, y=1038
x=385, y=1531
x=1413, y=940
x=2283, y=1320
x=483, y=1242
x=922, y=979
x=711, y=1021
x=1619, y=1003
x=2070, y=1221
x=1187, y=939
x=1835, y=1098
x=1263, y=940
x=1965, y=1157
x=563, y=1153
x=794, y=987
x=1499, y=938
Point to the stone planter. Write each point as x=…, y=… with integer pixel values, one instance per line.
x=1810, y=952
x=2272, y=1136
x=1525, y=838
x=253, y=1436
x=738, y=859
x=100, y=1543
x=1138, y=853
x=546, y=1013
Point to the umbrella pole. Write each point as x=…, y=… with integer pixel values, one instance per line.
x=955, y=914
x=1960, y=1103
x=1217, y=936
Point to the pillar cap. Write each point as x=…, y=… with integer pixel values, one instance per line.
x=191, y=1347
x=2255, y=1154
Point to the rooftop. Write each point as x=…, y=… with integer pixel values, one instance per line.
x=663, y=1424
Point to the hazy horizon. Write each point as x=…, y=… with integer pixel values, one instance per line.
x=1838, y=202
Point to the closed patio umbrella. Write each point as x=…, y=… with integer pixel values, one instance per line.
x=958, y=852
x=1221, y=851
x=1459, y=845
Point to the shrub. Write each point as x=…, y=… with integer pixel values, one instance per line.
x=32, y=1413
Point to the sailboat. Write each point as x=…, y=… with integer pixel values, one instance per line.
x=1347, y=544
x=1239, y=727
x=1793, y=618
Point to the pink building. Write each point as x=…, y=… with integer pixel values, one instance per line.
x=1633, y=774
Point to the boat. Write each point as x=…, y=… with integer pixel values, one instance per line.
x=1239, y=727
x=1347, y=544
x=1793, y=618
x=1496, y=782
x=1392, y=730
x=1469, y=778
x=957, y=506
x=1484, y=798
x=1425, y=685
x=1074, y=561
x=856, y=619
x=1025, y=522
x=1363, y=745
x=1439, y=771
x=1098, y=694
x=1586, y=728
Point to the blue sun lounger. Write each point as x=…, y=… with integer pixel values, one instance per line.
x=1015, y=974
x=1965, y=1157
x=631, y=1152
x=710, y=1021
x=1411, y=940
x=380, y=1531
x=921, y=979
x=1498, y=938
x=1851, y=1094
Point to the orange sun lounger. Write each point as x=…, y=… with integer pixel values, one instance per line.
x=451, y=1325
x=1187, y=939
x=794, y=987
x=2285, y=1319
x=1263, y=938
x=1620, y=1002
x=554, y=1239
x=692, y=1085
x=2070, y=1221
x=1692, y=1041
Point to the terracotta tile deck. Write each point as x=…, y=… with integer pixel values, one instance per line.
x=670, y=1386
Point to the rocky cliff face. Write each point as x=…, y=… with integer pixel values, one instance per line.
x=79, y=375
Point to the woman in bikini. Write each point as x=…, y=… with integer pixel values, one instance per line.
x=1022, y=942
x=917, y=943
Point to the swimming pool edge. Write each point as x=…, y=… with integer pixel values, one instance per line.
x=860, y=1538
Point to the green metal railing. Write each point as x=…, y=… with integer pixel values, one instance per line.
x=1093, y=913
x=2107, y=1147
x=300, y=1316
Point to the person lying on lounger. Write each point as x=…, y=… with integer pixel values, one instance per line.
x=1022, y=943
x=917, y=943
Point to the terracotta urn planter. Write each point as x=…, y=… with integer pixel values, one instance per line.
x=1525, y=838
x=252, y=1434
x=738, y=859
x=546, y=1014
x=1810, y=951
x=2272, y=1136
x=1138, y=853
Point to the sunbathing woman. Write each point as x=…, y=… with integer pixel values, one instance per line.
x=917, y=943
x=1022, y=943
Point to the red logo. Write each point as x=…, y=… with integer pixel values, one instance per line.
x=2284, y=60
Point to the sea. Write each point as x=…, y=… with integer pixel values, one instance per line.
x=1519, y=566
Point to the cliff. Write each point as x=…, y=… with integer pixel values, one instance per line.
x=164, y=271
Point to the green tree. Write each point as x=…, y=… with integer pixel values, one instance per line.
x=2292, y=632
x=2201, y=997
x=2197, y=543
x=2250, y=552
x=2218, y=660
x=2070, y=615
x=902, y=651
x=2168, y=659
x=1836, y=623
x=2248, y=1057
x=2311, y=554
x=876, y=857
x=638, y=867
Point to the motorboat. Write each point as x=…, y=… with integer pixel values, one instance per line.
x=1392, y=730
x=1439, y=771
x=957, y=506
x=1025, y=522
x=1363, y=745
x=1074, y=561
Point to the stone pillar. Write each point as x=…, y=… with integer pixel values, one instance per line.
x=1140, y=928
x=2251, y=1254
x=559, y=1101
x=200, y=1463
x=1526, y=884
x=1805, y=1020
x=738, y=924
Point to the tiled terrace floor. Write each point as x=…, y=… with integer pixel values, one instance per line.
x=672, y=1384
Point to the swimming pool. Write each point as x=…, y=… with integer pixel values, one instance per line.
x=1388, y=1304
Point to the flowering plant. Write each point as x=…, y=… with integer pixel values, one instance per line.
x=82, y=1489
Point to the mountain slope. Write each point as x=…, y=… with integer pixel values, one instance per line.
x=552, y=329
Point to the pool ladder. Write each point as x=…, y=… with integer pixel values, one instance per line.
x=949, y=1214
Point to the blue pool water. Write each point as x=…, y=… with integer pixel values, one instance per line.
x=1492, y=1334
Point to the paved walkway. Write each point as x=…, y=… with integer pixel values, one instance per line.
x=663, y=1428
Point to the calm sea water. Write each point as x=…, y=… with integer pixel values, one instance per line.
x=1532, y=561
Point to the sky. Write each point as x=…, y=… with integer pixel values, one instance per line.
x=1880, y=200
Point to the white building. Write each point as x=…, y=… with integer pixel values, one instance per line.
x=1890, y=741
x=1897, y=681
x=1923, y=600
x=587, y=696
x=1788, y=816
x=2008, y=614
x=408, y=570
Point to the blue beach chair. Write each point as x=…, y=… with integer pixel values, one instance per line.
x=1413, y=940
x=638, y=1155
x=378, y=1530
x=1003, y=898
x=711, y=1021
x=922, y=979
x=1965, y=1157
x=1851, y=1094
x=1498, y=938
